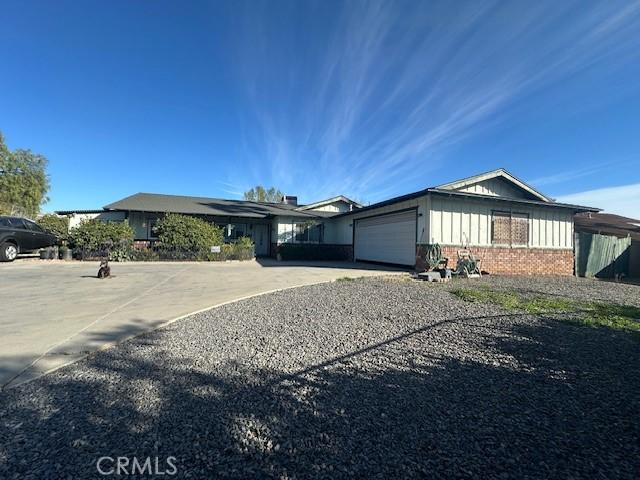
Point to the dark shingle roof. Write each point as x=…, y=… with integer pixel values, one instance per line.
x=153, y=202
x=608, y=224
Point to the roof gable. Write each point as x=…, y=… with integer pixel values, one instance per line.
x=499, y=183
x=340, y=199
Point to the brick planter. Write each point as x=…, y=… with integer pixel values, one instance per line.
x=511, y=261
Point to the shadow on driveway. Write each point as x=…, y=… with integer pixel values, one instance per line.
x=379, y=267
x=400, y=411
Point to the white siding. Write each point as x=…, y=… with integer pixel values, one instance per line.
x=458, y=221
x=338, y=206
x=76, y=218
x=498, y=187
x=340, y=230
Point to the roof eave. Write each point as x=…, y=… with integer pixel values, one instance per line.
x=384, y=203
x=337, y=198
x=576, y=208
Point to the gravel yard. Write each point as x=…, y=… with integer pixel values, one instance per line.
x=369, y=378
x=570, y=287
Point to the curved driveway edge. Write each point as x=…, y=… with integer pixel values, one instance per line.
x=58, y=313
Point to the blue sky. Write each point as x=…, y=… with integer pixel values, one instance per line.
x=366, y=99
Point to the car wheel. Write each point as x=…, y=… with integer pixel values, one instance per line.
x=8, y=252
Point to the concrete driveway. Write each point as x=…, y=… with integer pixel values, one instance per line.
x=54, y=313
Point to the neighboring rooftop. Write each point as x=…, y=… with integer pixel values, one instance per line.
x=608, y=224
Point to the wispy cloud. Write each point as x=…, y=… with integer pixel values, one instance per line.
x=232, y=188
x=383, y=95
x=623, y=200
x=575, y=173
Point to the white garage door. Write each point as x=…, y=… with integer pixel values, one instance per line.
x=387, y=238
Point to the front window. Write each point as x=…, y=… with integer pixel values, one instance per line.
x=308, y=232
x=510, y=228
x=153, y=228
x=234, y=231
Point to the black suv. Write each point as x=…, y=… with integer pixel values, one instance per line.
x=19, y=235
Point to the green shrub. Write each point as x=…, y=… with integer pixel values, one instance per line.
x=58, y=226
x=97, y=238
x=244, y=242
x=184, y=233
x=242, y=249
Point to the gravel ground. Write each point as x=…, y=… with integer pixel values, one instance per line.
x=369, y=378
x=571, y=287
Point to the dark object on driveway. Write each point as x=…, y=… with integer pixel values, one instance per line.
x=105, y=270
x=19, y=235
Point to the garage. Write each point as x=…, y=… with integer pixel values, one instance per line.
x=388, y=238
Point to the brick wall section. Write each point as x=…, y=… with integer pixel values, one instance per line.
x=511, y=261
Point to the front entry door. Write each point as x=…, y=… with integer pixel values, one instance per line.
x=261, y=239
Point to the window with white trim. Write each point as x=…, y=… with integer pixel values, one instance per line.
x=307, y=232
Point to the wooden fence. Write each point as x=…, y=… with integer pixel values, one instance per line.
x=603, y=256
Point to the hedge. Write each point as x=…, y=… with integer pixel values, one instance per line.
x=181, y=232
x=58, y=226
x=233, y=251
x=97, y=238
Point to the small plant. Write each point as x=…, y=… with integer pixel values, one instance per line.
x=592, y=314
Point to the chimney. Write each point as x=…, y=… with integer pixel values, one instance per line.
x=290, y=200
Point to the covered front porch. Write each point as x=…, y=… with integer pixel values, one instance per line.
x=258, y=230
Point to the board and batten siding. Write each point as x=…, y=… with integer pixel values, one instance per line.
x=496, y=187
x=461, y=221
